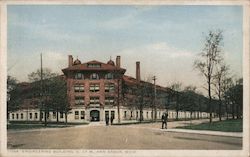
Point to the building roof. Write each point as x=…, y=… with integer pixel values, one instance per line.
x=90, y=66
x=132, y=81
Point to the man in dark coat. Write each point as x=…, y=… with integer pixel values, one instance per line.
x=164, y=118
x=107, y=120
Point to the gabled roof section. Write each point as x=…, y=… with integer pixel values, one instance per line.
x=94, y=65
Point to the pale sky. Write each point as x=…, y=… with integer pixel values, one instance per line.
x=165, y=39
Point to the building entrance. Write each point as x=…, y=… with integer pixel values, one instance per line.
x=94, y=115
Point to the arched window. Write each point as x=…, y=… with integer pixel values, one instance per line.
x=94, y=76
x=79, y=76
x=109, y=76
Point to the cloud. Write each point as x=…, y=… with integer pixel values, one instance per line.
x=21, y=66
x=167, y=62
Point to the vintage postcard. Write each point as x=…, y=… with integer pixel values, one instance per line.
x=125, y=78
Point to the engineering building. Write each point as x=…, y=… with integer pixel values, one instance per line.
x=99, y=90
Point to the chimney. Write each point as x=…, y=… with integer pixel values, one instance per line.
x=138, y=75
x=118, y=61
x=70, y=60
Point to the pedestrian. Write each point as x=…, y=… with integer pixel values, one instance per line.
x=164, y=121
x=111, y=120
x=107, y=120
x=166, y=125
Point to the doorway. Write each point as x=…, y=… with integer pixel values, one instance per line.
x=94, y=115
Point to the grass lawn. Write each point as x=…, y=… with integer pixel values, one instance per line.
x=234, y=125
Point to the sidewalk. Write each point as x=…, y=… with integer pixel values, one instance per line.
x=205, y=132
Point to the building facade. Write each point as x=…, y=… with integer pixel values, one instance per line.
x=98, y=91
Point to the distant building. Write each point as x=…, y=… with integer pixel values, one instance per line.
x=97, y=91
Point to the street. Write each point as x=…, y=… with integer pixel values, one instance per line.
x=117, y=137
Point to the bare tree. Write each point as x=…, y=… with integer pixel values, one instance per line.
x=220, y=78
x=176, y=89
x=209, y=57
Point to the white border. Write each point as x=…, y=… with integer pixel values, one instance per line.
x=30, y=152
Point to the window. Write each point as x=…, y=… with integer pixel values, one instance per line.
x=36, y=116
x=79, y=88
x=125, y=114
x=79, y=76
x=17, y=116
x=94, y=65
x=79, y=100
x=147, y=114
x=41, y=115
x=109, y=100
x=109, y=76
x=82, y=115
x=94, y=76
x=61, y=114
x=13, y=116
x=54, y=115
x=30, y=115
x=109, y=87
x=131, y=114
x=94, y=87
x=21, y=115
x=94, y=101
x=76, y=114
x=136, y=114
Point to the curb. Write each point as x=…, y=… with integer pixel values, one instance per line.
x=206, y=132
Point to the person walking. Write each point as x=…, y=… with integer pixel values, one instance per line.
x=111, y=120
x=164, y=121
x=166, y=124
x=107, y=120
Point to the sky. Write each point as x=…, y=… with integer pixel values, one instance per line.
x=165, y=39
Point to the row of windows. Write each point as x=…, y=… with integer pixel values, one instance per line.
x=35, y=115
x=79, y=100
x=109, y=87
x=137, y=114
x=82, y=115
x=93, y=76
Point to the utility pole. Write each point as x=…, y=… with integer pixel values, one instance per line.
x=42, y=94
x=41, y=88
x=154, y=79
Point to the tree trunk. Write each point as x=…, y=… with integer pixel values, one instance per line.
x=233, y=111
x=237, y=111
x=210, y=100
x=57, y=118
x=66, y=118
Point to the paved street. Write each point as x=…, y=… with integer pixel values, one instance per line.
x=143, y=136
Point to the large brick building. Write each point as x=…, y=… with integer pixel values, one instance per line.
x=97, y=90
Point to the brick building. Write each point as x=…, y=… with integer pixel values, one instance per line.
x=97, y=91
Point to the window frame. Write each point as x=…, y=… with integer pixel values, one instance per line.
x=94, y=87
x=109, y=76
x=79, y=76
x=109, y=87
x=78, y=88
x=94, y=78
x=79, y=100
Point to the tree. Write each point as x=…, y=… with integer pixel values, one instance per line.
x=209, y=57
x=58, y=96
x=11, y=93
x=235, y=96
x=176, y=92
x=220, y=78
x=36, y=75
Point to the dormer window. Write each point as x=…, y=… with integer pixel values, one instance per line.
x=109, y=76
x=94, y=76
x=91, y=65
x=79, y=76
